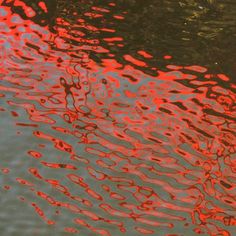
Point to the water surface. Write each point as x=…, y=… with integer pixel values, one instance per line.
x=117, y=118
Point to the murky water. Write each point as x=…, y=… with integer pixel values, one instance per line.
x=117, y=118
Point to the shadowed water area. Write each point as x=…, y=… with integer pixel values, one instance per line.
x=117, y=117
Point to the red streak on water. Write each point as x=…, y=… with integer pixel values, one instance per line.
x=43, y=6
x=41, y=214
x=28, y=10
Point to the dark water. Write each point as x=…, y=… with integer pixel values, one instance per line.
x=117, y=118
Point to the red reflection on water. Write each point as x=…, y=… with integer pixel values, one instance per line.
x=135, y=151
x=41, y=214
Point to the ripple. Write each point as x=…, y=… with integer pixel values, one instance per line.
x=106, y=148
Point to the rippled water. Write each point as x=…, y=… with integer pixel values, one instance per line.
x=117, y=118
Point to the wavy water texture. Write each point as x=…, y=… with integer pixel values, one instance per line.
x=110, y=149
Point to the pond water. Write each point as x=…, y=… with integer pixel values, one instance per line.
x=117, y=117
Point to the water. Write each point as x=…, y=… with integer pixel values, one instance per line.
x=117, y=118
